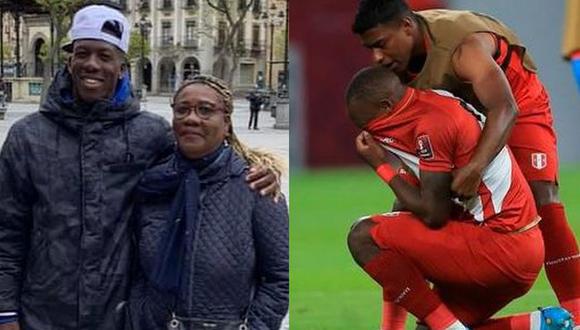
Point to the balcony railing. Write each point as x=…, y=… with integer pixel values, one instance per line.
x=166, y=41
x=191, y=43
x=252, y=50
x=257, y=52
x=257, y=49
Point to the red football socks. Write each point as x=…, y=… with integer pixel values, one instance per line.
x=440, y=319
x=404, y=285
x=394, y=316
x=562, y=257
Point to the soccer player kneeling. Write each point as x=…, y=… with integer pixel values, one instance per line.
x=478, y=260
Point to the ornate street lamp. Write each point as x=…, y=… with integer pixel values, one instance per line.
x=144, y=26
x=286, y=62
x=272, y=17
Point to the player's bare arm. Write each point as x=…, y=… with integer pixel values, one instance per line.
x=431, y=202
x=473, y=62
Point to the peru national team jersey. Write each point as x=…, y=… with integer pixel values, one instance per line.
x=529, y=92
x=436, y=132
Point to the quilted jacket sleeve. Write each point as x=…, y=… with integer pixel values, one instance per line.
x=166, y=143
x=15, y=216
x=270, y=302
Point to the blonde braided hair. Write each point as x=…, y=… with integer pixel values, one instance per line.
x=254, y=157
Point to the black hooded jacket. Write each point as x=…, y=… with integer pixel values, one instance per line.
x=67, y=174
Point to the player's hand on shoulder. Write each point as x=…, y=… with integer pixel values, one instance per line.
x=374, y=154
x=264, y=180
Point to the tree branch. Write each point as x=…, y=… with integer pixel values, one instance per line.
x=228, y=53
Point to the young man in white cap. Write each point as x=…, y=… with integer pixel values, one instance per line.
x=67, y=175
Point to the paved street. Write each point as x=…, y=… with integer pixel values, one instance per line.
x=266, y=138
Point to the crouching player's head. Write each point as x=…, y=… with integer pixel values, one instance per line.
x=372, y=92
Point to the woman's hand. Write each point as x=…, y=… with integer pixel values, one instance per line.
x=374, y=154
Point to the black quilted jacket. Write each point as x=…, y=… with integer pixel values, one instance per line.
x=238, y=263
x=67, y=175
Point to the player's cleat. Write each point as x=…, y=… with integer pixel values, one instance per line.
x=556, y=318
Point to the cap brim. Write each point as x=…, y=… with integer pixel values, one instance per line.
x=68, y=47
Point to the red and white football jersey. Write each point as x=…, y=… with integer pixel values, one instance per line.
x=434, y=131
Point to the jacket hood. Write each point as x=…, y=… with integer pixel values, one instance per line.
x=61, y=106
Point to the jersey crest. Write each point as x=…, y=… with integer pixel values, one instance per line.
x=424, y=148
x=539, y=160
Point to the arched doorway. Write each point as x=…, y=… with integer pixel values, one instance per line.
x=147, y=74
x=38, y=55
x=190, y=67
x=166, y=76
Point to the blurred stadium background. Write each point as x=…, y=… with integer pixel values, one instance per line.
x=330, y=188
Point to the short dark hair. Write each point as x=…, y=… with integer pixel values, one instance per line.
x=371, y=13
x=371, y=84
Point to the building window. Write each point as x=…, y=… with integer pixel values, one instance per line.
x=166, y=4
x=166, y=34
x=242, y=4
x=247, y=73
x=256, y=7
x=144, y=4
x=221, y=34
x=190, y=30
x=241, y=36
x=256, y=36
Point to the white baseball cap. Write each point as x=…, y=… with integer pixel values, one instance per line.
x=100, y=22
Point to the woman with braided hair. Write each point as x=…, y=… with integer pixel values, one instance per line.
x=213, y=254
